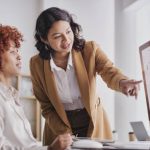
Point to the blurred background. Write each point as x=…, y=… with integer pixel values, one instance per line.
x=118, y=26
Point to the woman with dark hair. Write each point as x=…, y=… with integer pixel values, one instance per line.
x=15, y=131
x=64, y=78
x=45, y=22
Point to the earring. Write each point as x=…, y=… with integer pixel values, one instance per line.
x=46, y=47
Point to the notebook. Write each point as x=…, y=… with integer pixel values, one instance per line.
x=140, y=131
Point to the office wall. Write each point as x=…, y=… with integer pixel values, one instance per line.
x=132, y=29
x=22, y=14
x=143, y=35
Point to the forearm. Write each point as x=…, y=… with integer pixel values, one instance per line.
x=105, y=68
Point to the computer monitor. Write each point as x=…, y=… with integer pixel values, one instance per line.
x=145, y=63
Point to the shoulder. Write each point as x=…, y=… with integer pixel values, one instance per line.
x=3, y=93
x=2, y=104
x=36, y=62
x=91, y=46
x=2, y=98
x=35, y=58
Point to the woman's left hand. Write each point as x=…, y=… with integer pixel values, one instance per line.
x=130, y=87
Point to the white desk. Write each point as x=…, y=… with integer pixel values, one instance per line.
x=142, y=145
x=138, y=145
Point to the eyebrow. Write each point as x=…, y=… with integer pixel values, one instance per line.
x=54, y=34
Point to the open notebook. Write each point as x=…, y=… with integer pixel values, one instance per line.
x=140, y=131
x=86, y=144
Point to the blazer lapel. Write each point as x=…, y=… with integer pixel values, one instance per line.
x=82, y=78
x=52, y=92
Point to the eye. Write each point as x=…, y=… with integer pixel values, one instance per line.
x=68, y=31
x=12, y=52
x=57, y=37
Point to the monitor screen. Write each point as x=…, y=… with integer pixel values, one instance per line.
x=145, y=63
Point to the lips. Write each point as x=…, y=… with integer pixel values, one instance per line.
x=66, y=46
x=19, y=65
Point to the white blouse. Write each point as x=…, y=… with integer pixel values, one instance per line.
x=67, y=86
x=15, y=130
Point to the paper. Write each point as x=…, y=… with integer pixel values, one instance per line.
x=86, y=144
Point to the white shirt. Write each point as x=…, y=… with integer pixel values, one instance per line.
x=67, y=86
x=15, y=130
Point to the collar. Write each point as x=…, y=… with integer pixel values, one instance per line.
x=69, y=64
x=8, y=92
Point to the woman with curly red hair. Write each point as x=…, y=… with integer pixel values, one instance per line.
x=8, y=34
x=15, y=131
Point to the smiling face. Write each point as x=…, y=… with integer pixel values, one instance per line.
x=60, y=37
x=11, y=61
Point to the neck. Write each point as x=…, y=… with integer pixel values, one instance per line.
x=5, y=80
x=61, y=56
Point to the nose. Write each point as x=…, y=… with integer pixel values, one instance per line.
x=18, y=56
x=65, y=38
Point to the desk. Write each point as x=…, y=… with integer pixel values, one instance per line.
x=135, y=145
x=104, y=148
x=107, y=148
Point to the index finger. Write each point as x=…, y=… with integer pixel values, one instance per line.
x=136, y=82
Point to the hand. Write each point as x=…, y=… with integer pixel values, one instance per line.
x=130, y=87
x=62, y=142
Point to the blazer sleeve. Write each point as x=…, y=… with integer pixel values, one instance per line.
x=105, y=68
x=48, y=111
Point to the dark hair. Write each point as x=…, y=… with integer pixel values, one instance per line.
x=8, y=33
x=44, y=23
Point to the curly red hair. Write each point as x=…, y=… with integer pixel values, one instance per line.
x=7, y=34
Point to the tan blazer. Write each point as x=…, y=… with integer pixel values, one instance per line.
x=88, y=64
